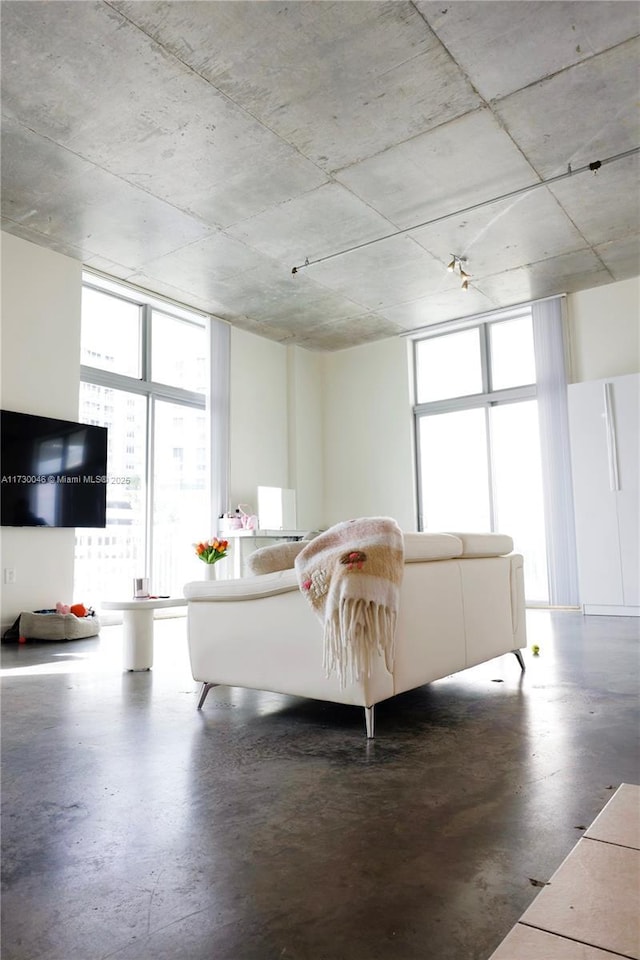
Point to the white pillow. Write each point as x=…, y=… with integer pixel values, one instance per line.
x=279, y=556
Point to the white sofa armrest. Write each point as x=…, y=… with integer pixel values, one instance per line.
x=246, y=588
x=419, y=547
x=484, y=544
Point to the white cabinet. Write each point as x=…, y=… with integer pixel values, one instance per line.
x=604, y=423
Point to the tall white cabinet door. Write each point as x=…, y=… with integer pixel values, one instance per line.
x=626, y=416
x=597, y=536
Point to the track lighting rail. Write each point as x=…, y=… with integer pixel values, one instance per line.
x=593, y=167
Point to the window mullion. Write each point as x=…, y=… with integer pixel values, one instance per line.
x=511, y=395
x=149, y=486
x=116, y=381
x=485, y=358
x=145, y=343
x=420, y=488
x=187, y=398
x=490, y=461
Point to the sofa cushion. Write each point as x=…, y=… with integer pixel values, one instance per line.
x=431, y=546
x=278, y=556
x=484, y=544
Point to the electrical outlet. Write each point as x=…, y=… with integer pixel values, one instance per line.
x=9, y=575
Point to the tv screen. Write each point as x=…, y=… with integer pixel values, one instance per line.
x=54, y=472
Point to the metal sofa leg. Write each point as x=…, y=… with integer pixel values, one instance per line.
x=204, y=690
x=518, y=654
x=369, y=721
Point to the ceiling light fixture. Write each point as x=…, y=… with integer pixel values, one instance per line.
x=593, y=167
x=456, y=264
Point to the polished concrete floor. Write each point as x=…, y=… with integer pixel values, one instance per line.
x=266, y=827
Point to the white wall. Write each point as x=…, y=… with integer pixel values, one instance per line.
x=276, y=424
x=40, y=369
x=306, y=434
x=604, y=331
x=259, y=420
x=368, y=446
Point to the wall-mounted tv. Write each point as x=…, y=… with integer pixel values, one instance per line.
x=54, y=472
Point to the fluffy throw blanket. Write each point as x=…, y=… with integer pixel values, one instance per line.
x=351, y=575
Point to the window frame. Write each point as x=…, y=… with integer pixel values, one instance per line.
x=147, y=387
x=486, y=399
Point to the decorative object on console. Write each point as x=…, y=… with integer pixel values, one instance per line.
x=229, y=521
x=248, y=518
x=276, y=508
x=210, y=551
x=351, y=575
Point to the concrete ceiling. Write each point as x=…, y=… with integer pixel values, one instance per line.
x=201, y=150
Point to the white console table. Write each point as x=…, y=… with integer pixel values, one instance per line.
x=137, y=620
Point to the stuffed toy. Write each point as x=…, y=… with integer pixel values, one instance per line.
x=77, y=609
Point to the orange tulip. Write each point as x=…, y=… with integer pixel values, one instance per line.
x=211, y=550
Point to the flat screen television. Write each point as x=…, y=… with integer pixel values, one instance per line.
x=54, y=472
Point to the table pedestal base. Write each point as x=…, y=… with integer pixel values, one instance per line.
x=138, y=639
x=137, y=627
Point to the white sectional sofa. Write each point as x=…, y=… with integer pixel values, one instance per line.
x=461, y=603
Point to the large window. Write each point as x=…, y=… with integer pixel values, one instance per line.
x=477, y=437
x=144, y=376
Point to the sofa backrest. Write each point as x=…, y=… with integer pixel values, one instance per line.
x=418, y=547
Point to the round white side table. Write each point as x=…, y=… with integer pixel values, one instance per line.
x=137, y=621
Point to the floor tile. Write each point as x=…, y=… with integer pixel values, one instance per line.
x=619, y=822
x=528, y=943
x=593, y=898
